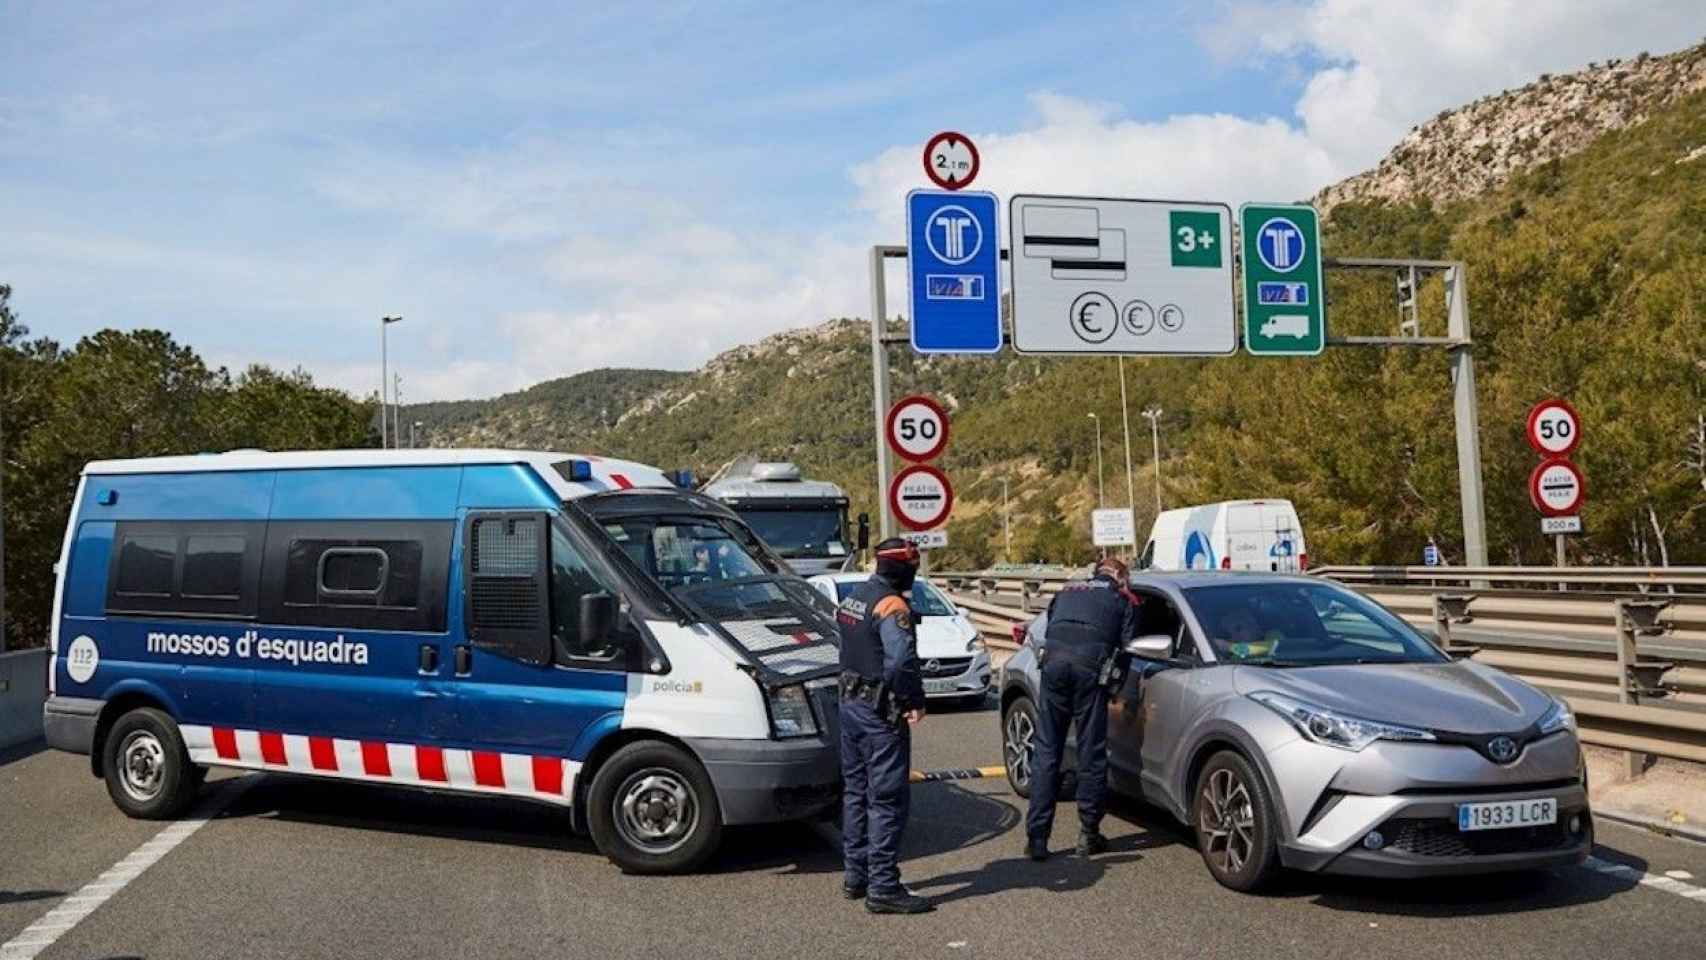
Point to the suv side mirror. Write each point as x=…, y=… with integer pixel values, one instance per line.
x=597, y=619
x=1151, y=646
x=864, y=531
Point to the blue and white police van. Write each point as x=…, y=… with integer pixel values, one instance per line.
x=566, y=629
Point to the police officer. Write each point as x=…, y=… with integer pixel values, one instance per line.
x=882, y=695
x=1088, y=624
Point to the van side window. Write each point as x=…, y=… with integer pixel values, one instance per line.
x=213, y=566
x=185, y=569
x=361, y=575
x=572, y=579
x=146, y=564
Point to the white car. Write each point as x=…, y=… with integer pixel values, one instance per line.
x=955, y=661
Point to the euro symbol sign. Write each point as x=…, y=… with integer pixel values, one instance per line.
x=1093, y=317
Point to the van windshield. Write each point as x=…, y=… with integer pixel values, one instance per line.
x=686, y=551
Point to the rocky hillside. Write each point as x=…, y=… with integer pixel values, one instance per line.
x=1587, y=280
x=1472, y=149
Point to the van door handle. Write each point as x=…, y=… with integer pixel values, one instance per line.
x=429, y=658
x=464, y=659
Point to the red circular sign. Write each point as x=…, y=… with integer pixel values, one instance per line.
x=920, y=497
x=917, y=428
x=1554, y=428
x=951, y=161
x=1556, y=487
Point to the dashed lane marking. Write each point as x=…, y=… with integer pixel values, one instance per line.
x=1655, y=880
x=54, y=924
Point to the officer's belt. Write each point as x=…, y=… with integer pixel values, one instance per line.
x=858, y=687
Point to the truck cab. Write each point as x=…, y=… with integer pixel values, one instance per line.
x=804, y=521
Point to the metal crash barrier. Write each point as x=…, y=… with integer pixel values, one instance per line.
x=1626, y=646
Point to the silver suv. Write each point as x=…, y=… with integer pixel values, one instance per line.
x=1290, y=722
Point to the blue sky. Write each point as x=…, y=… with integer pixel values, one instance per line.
x=546, y=188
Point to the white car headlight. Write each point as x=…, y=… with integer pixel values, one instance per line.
x=1558, y=717
x=1333, y=728
x=791, y=712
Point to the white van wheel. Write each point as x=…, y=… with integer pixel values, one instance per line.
x=652, y=809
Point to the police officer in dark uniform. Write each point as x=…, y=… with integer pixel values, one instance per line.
x=1083, y=659
x=882, y=695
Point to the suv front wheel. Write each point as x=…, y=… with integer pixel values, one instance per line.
x=1233, y=817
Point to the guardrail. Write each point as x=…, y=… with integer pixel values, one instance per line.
x=1626, y=646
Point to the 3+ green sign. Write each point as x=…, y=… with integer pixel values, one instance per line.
x=1285, y=294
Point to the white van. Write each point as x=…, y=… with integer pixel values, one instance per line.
x=1230, y=535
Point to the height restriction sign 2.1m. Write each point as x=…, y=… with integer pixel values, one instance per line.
x=1285, y=293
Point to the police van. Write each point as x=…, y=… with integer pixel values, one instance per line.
x=564, y=629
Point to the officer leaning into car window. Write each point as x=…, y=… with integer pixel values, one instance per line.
x=1083, y=660
x=882, y=695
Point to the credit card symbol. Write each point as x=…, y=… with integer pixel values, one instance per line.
x=1268, y=292
x=952, y=286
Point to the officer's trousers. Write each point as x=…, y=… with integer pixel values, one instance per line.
x=876, y=761
x=1070, y=695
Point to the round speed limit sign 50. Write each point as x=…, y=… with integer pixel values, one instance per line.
x=1554, y=429
x=917, y=428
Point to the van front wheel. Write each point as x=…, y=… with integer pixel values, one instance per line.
x=652, y=810
x=148, y=770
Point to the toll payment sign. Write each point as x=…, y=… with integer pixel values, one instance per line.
x=918, y=428
x=1557, y=487
x=921, y=497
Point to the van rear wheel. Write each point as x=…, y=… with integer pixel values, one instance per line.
x=148, y=771
x=652, y=809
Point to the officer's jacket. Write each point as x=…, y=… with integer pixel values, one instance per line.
x=879, y=641
x=1090, y=619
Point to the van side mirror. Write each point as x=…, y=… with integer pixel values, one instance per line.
x=864, y=531
x=597, y=619
x=1152, y=646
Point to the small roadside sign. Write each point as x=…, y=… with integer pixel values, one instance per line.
x=953, y=262
x=1554, y=429
x=1430, y=556
x=1556, y=487
x=951, y=161
x=1111, y=527
x=921, y=497
x=1108, y=276
x=927, y=539
x=1285, y=293
x=1560, y=525
x=917, y=428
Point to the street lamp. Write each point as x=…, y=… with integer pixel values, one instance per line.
x=396, y=408
x=412, y=428
x=1153, y=414
x=1125, y=419
x=1006, y=519
x=384, y=374
x=1101, y=498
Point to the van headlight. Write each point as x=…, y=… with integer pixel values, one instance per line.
x=1558, y=717
x=1333, y=728
x=791, y=712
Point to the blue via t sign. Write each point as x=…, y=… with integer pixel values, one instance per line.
x=953, y=259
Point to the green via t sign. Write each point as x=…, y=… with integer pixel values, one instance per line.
x=1285, y=312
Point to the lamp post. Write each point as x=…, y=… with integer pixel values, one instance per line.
x=1153, y=414
x=384, y=375
x=1006, y=526
x=412, y=428
x=1125, y=418
x=396, y=408
x=1101, y=498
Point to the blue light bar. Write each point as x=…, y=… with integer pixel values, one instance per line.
x=683, y=479
x=580, y=471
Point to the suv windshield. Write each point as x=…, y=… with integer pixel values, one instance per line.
x=798, y=533
x=1304, y=624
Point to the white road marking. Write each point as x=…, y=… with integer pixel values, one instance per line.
x=1669, y=884
x=54, y=924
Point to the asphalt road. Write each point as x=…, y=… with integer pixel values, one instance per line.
x=294, y=868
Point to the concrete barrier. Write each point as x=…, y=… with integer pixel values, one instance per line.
x=23, y=687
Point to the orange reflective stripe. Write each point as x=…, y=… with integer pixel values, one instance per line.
x=889, y=606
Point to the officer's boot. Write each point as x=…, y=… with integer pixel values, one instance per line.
x=1036, y=849
x=901, y=901
x=1091, y=842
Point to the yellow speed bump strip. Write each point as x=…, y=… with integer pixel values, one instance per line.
x=971, y=773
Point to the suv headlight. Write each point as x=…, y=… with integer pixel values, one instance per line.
x=1558, y=717
x=791, y=712
x=1333, y=728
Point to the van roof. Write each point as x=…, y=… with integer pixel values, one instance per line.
x=607, y=474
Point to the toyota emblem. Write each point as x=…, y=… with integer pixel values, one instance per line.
x=931, y=666
x=1502, y=749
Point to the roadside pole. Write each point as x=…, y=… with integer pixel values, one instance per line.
x=1468, y=418
x=880, y=394
x=1125, y=419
